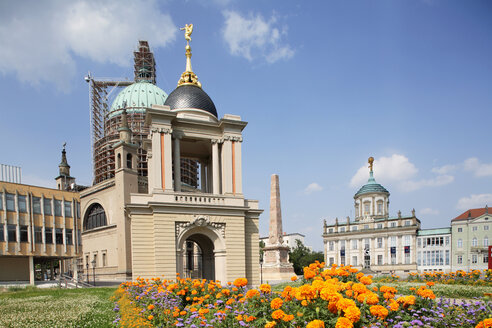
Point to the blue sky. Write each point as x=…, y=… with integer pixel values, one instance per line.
x=323, y=85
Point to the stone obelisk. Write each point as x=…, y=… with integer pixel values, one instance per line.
x=276, y=257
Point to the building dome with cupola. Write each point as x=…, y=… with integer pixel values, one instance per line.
x=372, y=199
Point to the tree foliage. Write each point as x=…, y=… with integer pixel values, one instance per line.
x=301, y=256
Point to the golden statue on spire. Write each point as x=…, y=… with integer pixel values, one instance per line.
x=188, y=30
x=188, y=77
x=370, y=161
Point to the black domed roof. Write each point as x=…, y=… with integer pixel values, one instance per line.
x=190, y=96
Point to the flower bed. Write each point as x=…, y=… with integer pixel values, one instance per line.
x=460, y=277
x=338, y=297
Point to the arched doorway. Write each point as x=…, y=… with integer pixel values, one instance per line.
x=200, y=251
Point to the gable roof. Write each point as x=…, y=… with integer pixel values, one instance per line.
x=472, y=213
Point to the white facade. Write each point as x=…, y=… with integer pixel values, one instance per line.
x=434, y=250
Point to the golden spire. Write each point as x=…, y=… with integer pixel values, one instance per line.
x=188, y=77
x=370, y=161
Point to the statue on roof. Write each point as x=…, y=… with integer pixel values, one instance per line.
x=371, y=162
x=188, y=30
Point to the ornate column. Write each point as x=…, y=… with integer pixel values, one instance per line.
x=237, y=186
x=215, y=167
x=177, y=162
x=227, y=165
x=161, y=159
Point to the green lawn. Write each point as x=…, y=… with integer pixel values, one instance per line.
x=63, y=308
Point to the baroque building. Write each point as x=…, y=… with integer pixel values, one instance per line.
x=373, y=240
x=187, y=214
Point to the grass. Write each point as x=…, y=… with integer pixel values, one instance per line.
x=441, y=290
x=53, y=308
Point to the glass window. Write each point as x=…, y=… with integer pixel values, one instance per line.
x=23, y=234
x=380, y=242
x=78, y=209
x=21, y=201
x=366, y=226
x=407, y=258
x=354, y=260
x=59, y=236
x=380, y=259
x=48, y=235
x=486, y=241
x=332, y=261
x=474, y=242
x=36, y=205
x=68, y=209
x=68, y=237
x=342, y=244
x=354, y=228
x=1, y=201
x=447, y=241
x=11, y=232
x=1, y=232
x=96, y=217
x=380, y=226
x=459, y=259
x=354, y=244
x=393, y=258
x=47, y=206
x=460, y=229
x=485, y=258
x=104, y=259
x=474, y=258
x=94, y=261
x=366, y=208
x=10, y=202
x=408, y=222
x=393, y=224
x=380, y=208
x=460, y=243
x=38, y=235
x=79, y=238
x=407, y=240
x=58, y=207
x=485, y=227
x=366, y=243
x=447, y=257
x=419, y=258
x=419, y=242
x=342, y=260
x=393, y=241
x=331, y=245
x=330, y=230
x=475, y=228
x=342, y=229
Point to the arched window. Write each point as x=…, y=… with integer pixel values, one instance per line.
x=95, y=217
x=486, y=241
x=475, y=242
x=129, y=161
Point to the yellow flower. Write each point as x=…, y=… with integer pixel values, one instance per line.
x=316, y=324
x=343, y=323
x=352, y=313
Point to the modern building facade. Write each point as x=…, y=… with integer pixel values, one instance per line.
x=373, y=240
x=39, y=228
x=188, y=215
x=471, y=239
x=434, y=250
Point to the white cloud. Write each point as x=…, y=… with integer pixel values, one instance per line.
x=429, y=211
x=474, y=201
x=41, y=39
x=386, y=169
x=398, y=170
x=313, y=187
x=479, y=169
x=254, y=37
x=446, y=169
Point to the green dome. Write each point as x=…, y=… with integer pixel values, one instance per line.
x=137, y=97
x=371, y=186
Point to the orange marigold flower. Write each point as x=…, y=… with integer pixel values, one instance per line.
x=240, y=282
x=343, y=323
x=365, y=280
x=265, y=288
x=308, y=273
x=270, y=324
x=252, y=293
x=288, y=317
x=293, y=278
x=487, y=323
x=278, y=314
x=394, y=306
x=379, y=311
x=150, y=317
x=352, y=313
x=276, y=303
x=430, y=283
x=316, y=324
x=150, y=307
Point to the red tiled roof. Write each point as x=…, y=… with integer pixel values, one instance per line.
x=472, y=213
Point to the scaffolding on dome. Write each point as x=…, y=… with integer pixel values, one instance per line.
x=104, y=127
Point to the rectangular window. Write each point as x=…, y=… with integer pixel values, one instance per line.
x=366, y=209
x=79, y=238
x=331, y=245
x=485, y=258
x=407, y=241
x=78, y=209
x=447, y=241
x=354, y=228
x=68, y=237
x=68, y=209
x=59, y=236
x=354, y=260
x=366, y=226
x=36, y=205
x=393, y=258
x=380, y=242
x=1, y=232
x=11, y=233
x=460, y=229
x=104, y=260
x=408, y=222
x=342, y=260
x=21, y=201
x=380, y=208
x=380, y=226
x=1, y=201
x=342, y=229
x=433, y=258
x=419, y=242
x=447, y=257
x=380, y=259
x=407, y=258
x=393, y=241
x=23, y=234
x=459, y=259
x=419, y=258
x=342, y=244
x=330, y=230
x=393, y=224
x=474, y=258
x=354, y=243
x=94, y=261
x=10, y=202
x=366, y=243
x=58, y=207
x=47, y=206
x=48, y=235
x=332, y=261
x=38, y=235
x=485, y=227
x=475, y=228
